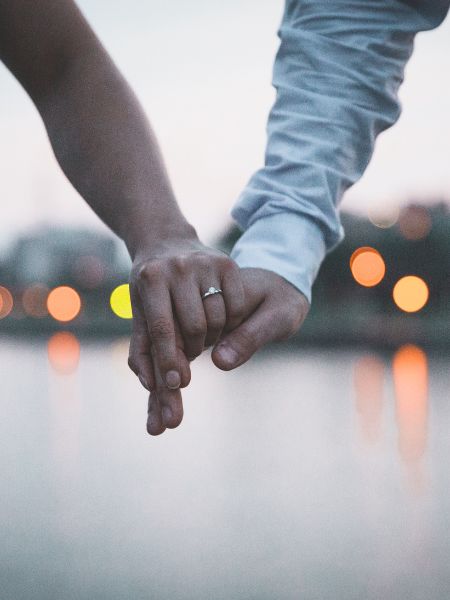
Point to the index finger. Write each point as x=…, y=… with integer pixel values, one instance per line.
x=157, y=306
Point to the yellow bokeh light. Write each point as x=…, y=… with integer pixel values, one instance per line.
x=6, y=302
x=64, y=352
x=63, y=303
x=367, y=266
x=120, y=301
x=410, y=293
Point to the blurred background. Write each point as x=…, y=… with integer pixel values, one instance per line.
x=318, y=470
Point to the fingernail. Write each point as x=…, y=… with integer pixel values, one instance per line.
x=228, y=355
x=166, y=414
x=173, y=380
x=144, y=382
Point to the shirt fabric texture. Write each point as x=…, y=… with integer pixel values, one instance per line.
x=337, y=73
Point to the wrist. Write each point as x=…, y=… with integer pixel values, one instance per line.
x=154, y=240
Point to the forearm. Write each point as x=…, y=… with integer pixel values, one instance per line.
x=337, y=74
x=106, y=147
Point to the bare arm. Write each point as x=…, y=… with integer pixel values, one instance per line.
x=105, y=146
x=98, y=131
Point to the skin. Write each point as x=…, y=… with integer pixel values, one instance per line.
x=106, y=147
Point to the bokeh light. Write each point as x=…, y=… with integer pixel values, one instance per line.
x=120, y=301
x=367, y=266
x=384, y=218
x=415, y=222
x=34, y=300
x=63, y=303
x=6, y=302
x=410, y=293
x=64, y=352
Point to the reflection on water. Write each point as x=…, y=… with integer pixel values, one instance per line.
x=64, y=352
x=410, y=371
x=64, y=422
x=369, y=378
x=286, y=479
x=410, y=381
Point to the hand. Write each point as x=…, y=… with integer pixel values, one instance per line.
x=275, y=310
x=172, y=324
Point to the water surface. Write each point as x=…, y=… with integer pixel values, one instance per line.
x=310, y=474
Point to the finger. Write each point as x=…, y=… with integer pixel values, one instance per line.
x=214, y=307
x=155, y=425
x=169, y=401
x=234, y=296
x=190, y=315
x=236, y=347
x=139, y=357
x=157, y=307
x=185, y=369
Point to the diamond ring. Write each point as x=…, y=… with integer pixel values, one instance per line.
x=211, y=291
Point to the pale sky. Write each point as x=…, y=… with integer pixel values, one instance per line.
x=202, y=70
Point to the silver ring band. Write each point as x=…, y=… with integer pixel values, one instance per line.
x=211, y=291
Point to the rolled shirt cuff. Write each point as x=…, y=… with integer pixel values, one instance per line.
x=290, y=244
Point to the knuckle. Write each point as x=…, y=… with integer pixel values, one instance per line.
x=203, y=263
x=161, y=328
x=228, y=265
x=181, y=264
x=149, y=272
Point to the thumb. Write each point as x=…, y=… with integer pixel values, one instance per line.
x=235, y=348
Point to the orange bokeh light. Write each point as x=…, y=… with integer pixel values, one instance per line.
x=63, y=303
x=64, y=352
x=410, y=293
x=6, y=302
x=367, y=266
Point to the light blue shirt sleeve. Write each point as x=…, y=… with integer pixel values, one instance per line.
x=337, y=73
